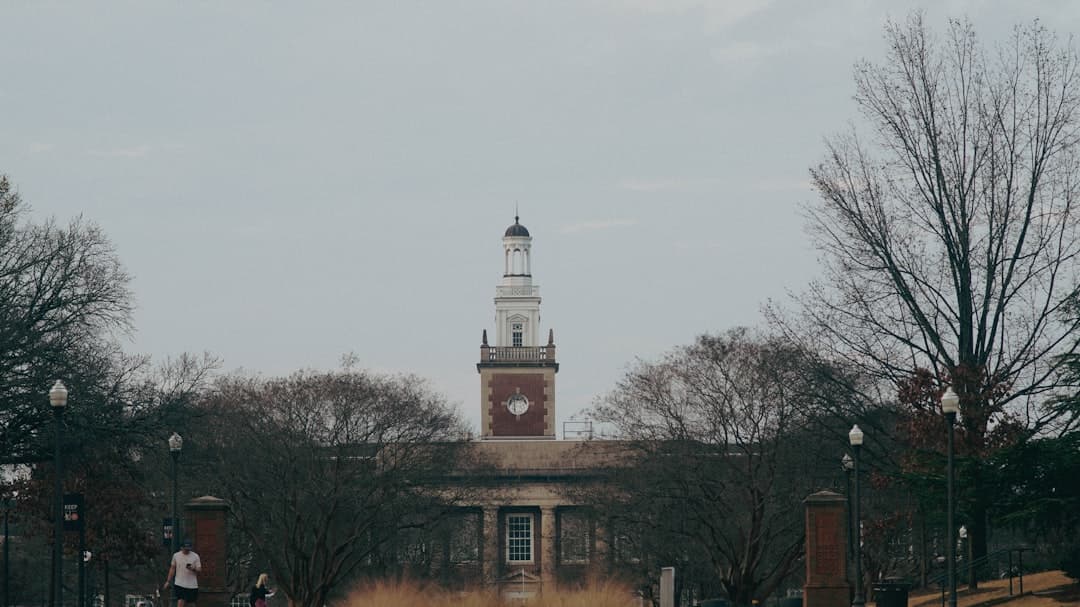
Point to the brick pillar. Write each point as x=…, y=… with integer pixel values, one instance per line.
x=490, y=545
x=547, y=547
x=206, y=528
x=826, y=548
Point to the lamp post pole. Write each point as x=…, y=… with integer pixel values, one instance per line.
x=855, y=436
x=848, y=465
x=950, y=406
x=175, y=444
x=58, y=399
x=7, y=551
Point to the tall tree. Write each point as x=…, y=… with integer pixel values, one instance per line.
x=323, y=468
x=948, y=225
x=63, y=292
x=722, y=460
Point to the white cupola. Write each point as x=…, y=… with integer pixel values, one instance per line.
x=517, y=299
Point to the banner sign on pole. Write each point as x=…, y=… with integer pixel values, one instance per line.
x=74, y=512
x=166, y=532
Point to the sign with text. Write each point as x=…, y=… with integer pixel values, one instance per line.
x=74, y=512
x=166, y=532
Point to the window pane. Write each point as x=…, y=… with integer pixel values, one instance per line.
x=465, y=538
x=412, y=547
x=627, y=549
x=519, y=538
x=573, y=537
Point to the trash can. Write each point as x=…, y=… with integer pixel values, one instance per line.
x=891, y=592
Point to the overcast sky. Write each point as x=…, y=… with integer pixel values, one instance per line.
x=291, y=182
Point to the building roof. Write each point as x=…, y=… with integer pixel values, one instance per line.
x=516, y=230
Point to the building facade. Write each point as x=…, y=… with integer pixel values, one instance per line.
x=532, y=533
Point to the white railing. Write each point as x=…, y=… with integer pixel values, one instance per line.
x=520, y=354
x=517, y=291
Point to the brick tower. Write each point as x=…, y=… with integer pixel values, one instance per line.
x=517, y=374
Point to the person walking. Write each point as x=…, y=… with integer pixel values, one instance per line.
x=184, y=572
x=260, y=592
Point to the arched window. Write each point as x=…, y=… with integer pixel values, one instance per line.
x=519, y=262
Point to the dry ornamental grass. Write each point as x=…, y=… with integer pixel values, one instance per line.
x=1051, y=588
x=406, y=594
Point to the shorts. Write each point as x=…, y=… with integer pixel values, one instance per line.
x=188, y=595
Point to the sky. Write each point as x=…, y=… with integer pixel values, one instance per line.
x=289, y=183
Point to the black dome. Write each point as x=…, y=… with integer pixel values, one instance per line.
x=516, y=230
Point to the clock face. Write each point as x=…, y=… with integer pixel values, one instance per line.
x=517, y=404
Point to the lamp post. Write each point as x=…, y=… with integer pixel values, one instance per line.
x=58, y=399
x=84, y=559
x=855, y=436
x=175, y=444
x=950, y=406
x=7, y=550
x=848, y=464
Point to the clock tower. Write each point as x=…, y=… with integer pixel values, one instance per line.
x=517, y=374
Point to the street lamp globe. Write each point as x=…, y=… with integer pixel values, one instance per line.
x=175, y=443
x=963, y=532
x=950, y=402
x=58, y=395
x=855, y=436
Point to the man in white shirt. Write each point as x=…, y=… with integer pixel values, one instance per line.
x=184, y=568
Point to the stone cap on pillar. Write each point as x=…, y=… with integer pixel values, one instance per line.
x=824, y=497
x=207, y=502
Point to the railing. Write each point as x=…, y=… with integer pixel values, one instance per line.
x=577, y=430
x=517, y=291
x=519, y=354
x=967, y=568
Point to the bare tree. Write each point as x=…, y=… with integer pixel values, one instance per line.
x=62, y=291
x=722, y=461
x=324, y=468
x=948, y=226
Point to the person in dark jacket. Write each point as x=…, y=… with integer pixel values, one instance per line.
x=260, y=592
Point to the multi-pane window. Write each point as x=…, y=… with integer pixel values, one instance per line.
x=626, y=547
x=519, y=544
x=517, y=334
x=412, y=547
x=574, y=537
x=465, y=538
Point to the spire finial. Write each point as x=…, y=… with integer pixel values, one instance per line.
x=484, y=338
